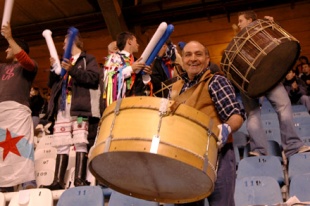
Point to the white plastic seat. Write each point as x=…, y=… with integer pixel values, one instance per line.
x=46, y=141
x=45, y=164
x=48, y=152
x=44, y=177
x=32, y=197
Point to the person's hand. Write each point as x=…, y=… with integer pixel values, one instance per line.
x=147, y=69
x=66, y=64
x=6, y=31
x=137, y=65
x=270, y=18
x=223, y=134
x=52, y=61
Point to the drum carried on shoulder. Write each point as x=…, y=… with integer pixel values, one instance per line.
x=259, y=57
x=145, y=150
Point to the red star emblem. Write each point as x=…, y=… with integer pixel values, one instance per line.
x=9, y=144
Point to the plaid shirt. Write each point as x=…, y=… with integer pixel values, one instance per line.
x=222, y=94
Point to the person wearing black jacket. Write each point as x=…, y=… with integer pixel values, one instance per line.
x=76, y=114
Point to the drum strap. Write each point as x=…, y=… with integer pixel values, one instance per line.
x=185, y=95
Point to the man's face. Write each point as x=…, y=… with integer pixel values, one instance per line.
x=243, y=22
x=305, y=68
x=194, y=58
x=9, y=53
x=290, y=75
x=134, y=45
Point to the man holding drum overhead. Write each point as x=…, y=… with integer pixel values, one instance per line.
x=278, y=97
x=213, y=95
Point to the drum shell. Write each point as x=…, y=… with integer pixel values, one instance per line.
x=182, y=170
x=259, y=57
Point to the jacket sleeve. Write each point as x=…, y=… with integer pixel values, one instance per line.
x=89, y=76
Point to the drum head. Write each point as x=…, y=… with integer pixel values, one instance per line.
x=151, y=176
x=273, y=68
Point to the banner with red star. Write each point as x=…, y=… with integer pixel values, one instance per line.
x=16, y=144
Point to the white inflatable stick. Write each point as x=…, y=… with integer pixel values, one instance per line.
x=47, y=34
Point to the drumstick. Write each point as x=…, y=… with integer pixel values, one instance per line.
x=72, y=32
x=7, y=12
x=47, y=34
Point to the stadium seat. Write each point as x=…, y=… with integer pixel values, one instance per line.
x=169, y=204
x=270, y=123
x=299, y=108
x=47, y=152
x=81, y=196
x=261, y=166
x=273, y=133
x=257, y=190
x=300, y=187
x=32, y=197
x=299, y=164
x=306, y=140
x=44, y=177
x=303, y=130
x=274, y=149
x=302, y=121
x=118, y=199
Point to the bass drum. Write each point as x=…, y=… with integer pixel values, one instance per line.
x=259, y=57
x=146, y=151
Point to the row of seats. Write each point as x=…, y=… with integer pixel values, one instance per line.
x=264, y=180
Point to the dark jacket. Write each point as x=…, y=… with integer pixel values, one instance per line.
x=86, y=94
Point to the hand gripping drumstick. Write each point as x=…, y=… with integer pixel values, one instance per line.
x=72, y=32
x=47, y=34
x=7, y=12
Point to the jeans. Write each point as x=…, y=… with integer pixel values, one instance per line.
x=280, y=101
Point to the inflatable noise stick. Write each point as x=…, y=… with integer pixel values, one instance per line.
x=72, y=32
x=160, y=43
x=47, y=34
x=151, y=45
x=7, y=12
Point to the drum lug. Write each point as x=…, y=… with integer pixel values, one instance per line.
x=206, y=163
x=118, y=106
x=107, y=144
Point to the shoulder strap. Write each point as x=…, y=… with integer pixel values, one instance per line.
x=187, y=94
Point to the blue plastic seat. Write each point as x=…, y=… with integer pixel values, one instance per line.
x=81, y=196
x=261, y=166
x=299, y=164
x=300, y=187
x=118, y=199
x=273, y=133
x=257, y=190
x=302, y=121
